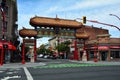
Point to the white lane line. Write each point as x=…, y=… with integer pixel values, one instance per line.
x=29, y=76
x=12, y=77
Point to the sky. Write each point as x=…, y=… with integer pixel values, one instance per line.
x=71, y=9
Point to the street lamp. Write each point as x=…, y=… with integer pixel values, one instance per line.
x=115, y=16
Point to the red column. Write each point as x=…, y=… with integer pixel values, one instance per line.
x=35, y=55
x=2, y=56
x=75, y=51
x=95, y=53
x=23, y=52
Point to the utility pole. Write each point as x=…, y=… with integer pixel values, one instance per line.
x=94, y=21
x=115, y=16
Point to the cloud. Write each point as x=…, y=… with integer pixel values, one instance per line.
x=23, y=20
x=82, y=5
x=71, y=9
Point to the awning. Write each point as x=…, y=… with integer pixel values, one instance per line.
x=115, y=47
x=100, y=47
x=9, y=44
x=0, y=45
x=103, y=48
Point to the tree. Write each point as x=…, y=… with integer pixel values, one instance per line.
x=41, y=50
x=64, y=47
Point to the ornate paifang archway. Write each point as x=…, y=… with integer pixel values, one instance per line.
x=44, y=26
x=56, y=27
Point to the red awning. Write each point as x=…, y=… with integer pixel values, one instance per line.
x=100, y=47
x=115, y=47
x=0, y=45
x=10, y=45
x=103, y=48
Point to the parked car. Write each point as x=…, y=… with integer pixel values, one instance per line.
x=40, y=56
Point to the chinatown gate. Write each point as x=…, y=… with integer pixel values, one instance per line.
x=45, y=27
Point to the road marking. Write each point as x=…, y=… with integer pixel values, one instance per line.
x=69, y=65
x=29, y=76
x=8, y=77
x=1, y=71
x=12, y=72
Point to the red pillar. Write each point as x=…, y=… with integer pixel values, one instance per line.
x=95, y=53
x=75, y=51
x=35, y=55
x=2, y=56
x=23, y=52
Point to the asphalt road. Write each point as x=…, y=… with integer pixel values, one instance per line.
x=62, y=70
x=77, y=73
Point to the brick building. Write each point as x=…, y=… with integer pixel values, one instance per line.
x=8, y=29
x=98, y=40
x=100, y=43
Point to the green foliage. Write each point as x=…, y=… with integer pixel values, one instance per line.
x=63, y=47
x=43, y=50
x=48, y=51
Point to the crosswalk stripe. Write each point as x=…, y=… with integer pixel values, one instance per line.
x=29, y=77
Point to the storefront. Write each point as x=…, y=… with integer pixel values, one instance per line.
x=107, y=49
x=6, y=50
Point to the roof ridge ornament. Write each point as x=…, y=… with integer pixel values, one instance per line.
x=57, y=17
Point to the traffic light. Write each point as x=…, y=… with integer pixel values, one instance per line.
x=84, y=19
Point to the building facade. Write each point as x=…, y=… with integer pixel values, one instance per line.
x=9, y=26
x=94, y=41
x=107, y=48
x=99, y=45
x=11, y=20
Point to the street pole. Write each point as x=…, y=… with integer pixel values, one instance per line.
x=94, y=21
x=115, y=16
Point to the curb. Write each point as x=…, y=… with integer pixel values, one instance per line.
x=19, y=65
x=100, y=62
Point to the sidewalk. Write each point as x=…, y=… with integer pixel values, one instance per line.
x=20, y=65
x=99, y=62
x=31, y=64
